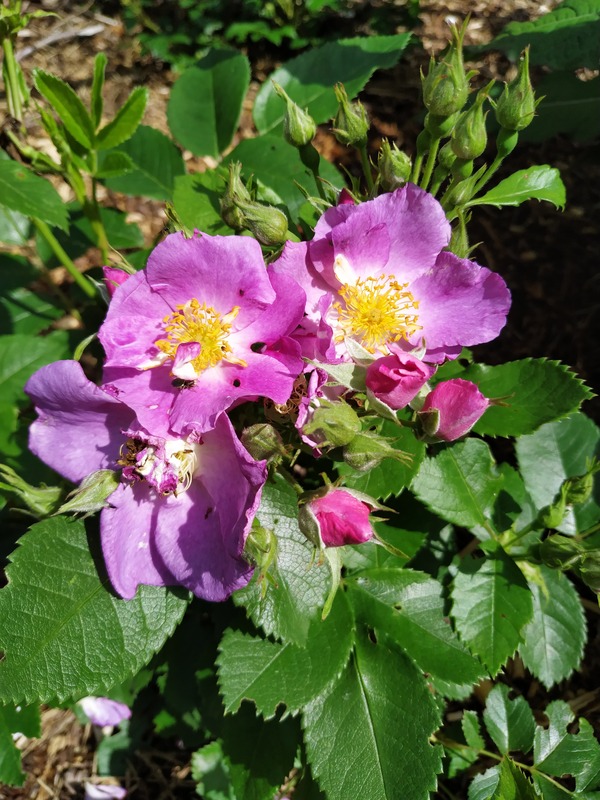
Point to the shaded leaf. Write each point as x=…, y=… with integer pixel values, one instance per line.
x=571, y=106
x=15, y=719
x=28, y=194
x=196, y=202
x=21, y=356
x=86, y=640
x=309, y=78
x=510, y=723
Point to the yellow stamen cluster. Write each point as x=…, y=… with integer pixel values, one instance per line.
x=376, y=311
x=197, y=322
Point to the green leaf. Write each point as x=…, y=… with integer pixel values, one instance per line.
x=14, y=227
x=65, y=634
x=206, y=102
x=23, y=191
x=67, y=105
x=566, y=38
x=571, y=106
x=259, y=755
x=557, y=752
x=368, y=737
x=408, y=607
x=96, y=103
x=557, y=451
x=536, y=183
x=271, y=673
x=553, y=641
x=513, y=784
x=114, y=164
x=157, y=162
x=196, y=202
x=277, y=166
x=211, y=773
x=286, y=607
x=21, y=356
x=483, y=786
x=460, y=484
x=15, y=719
x=510, y=723
x=22, y=310
x=125, y=122
x=530, y=392
x=391, y=476
x=491, y=604
x=308, y=79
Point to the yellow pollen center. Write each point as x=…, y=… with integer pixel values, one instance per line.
x=376, y=311
x=197, y=322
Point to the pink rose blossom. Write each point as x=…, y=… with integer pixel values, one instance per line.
x=104, y=711
x=342, y=518
x=459, y=404
x=113, y=278
x=104, y=791
x=397, y=379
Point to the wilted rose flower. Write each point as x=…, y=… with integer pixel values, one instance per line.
x=185, y=505
x=104, y=791
x=397, y=379
x=202, y=328
x=337, y=518
x=452, y=408
x=104, y=711
x=379, y=273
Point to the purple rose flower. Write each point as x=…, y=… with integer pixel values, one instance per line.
x=378, y=273
x=201, y=329
x=397, y=379
x=113, y=278
x=184, y=507
x=342, y=518
x=452, y=408
x=104, y=711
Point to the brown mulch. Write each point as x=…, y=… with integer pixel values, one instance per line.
x=549, y=259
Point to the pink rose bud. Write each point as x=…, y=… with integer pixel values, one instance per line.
x=104, y=711
x=454, y=406
x=113, y=278
x=341, y=518
x=397, y=379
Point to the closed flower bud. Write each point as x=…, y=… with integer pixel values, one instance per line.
x=516, y=107
x=299, y=127
x=397, y=379
x=446, y=156
x=552, y=516
x=446, y=85
x=351, y=122
x=367, y=450
x=580, y=488
x=268, y=224
x=394, y=167
x=451, y=409
x=263, y=442
x=260, y=548
x=333, y=424
x=469, y=137
x=337, y=518
x=113, y=278
x=234, y=192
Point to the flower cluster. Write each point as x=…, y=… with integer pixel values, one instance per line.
x=206, y=327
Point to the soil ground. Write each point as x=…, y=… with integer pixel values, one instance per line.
x=548, y=258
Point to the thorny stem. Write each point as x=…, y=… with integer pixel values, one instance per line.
x=64, y=259
x=92, y=210
x=366, y=165
x=433, y=151
x=291, y=480
x=13, y=90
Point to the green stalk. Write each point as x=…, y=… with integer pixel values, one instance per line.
x=366, y=165
x=64, y=259
x=433, y=151
x=92, y=211
x=13, y=90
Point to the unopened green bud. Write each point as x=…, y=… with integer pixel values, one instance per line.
x=506, y=141
x=268, y=224
x=579, y=489
x=308, y=524
x=446, y=156
x=469, y=137
x=234, y=192
x=351, y=121
x=367, y=450
x=260, y=549
x=394, y=167
x=552, y=516
x=333, y=424
x=446, y=85
x=559, y=552
x=92, y=493
x=441, y=127
x=299, y=127
x=263, y=442
x=516, y=107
